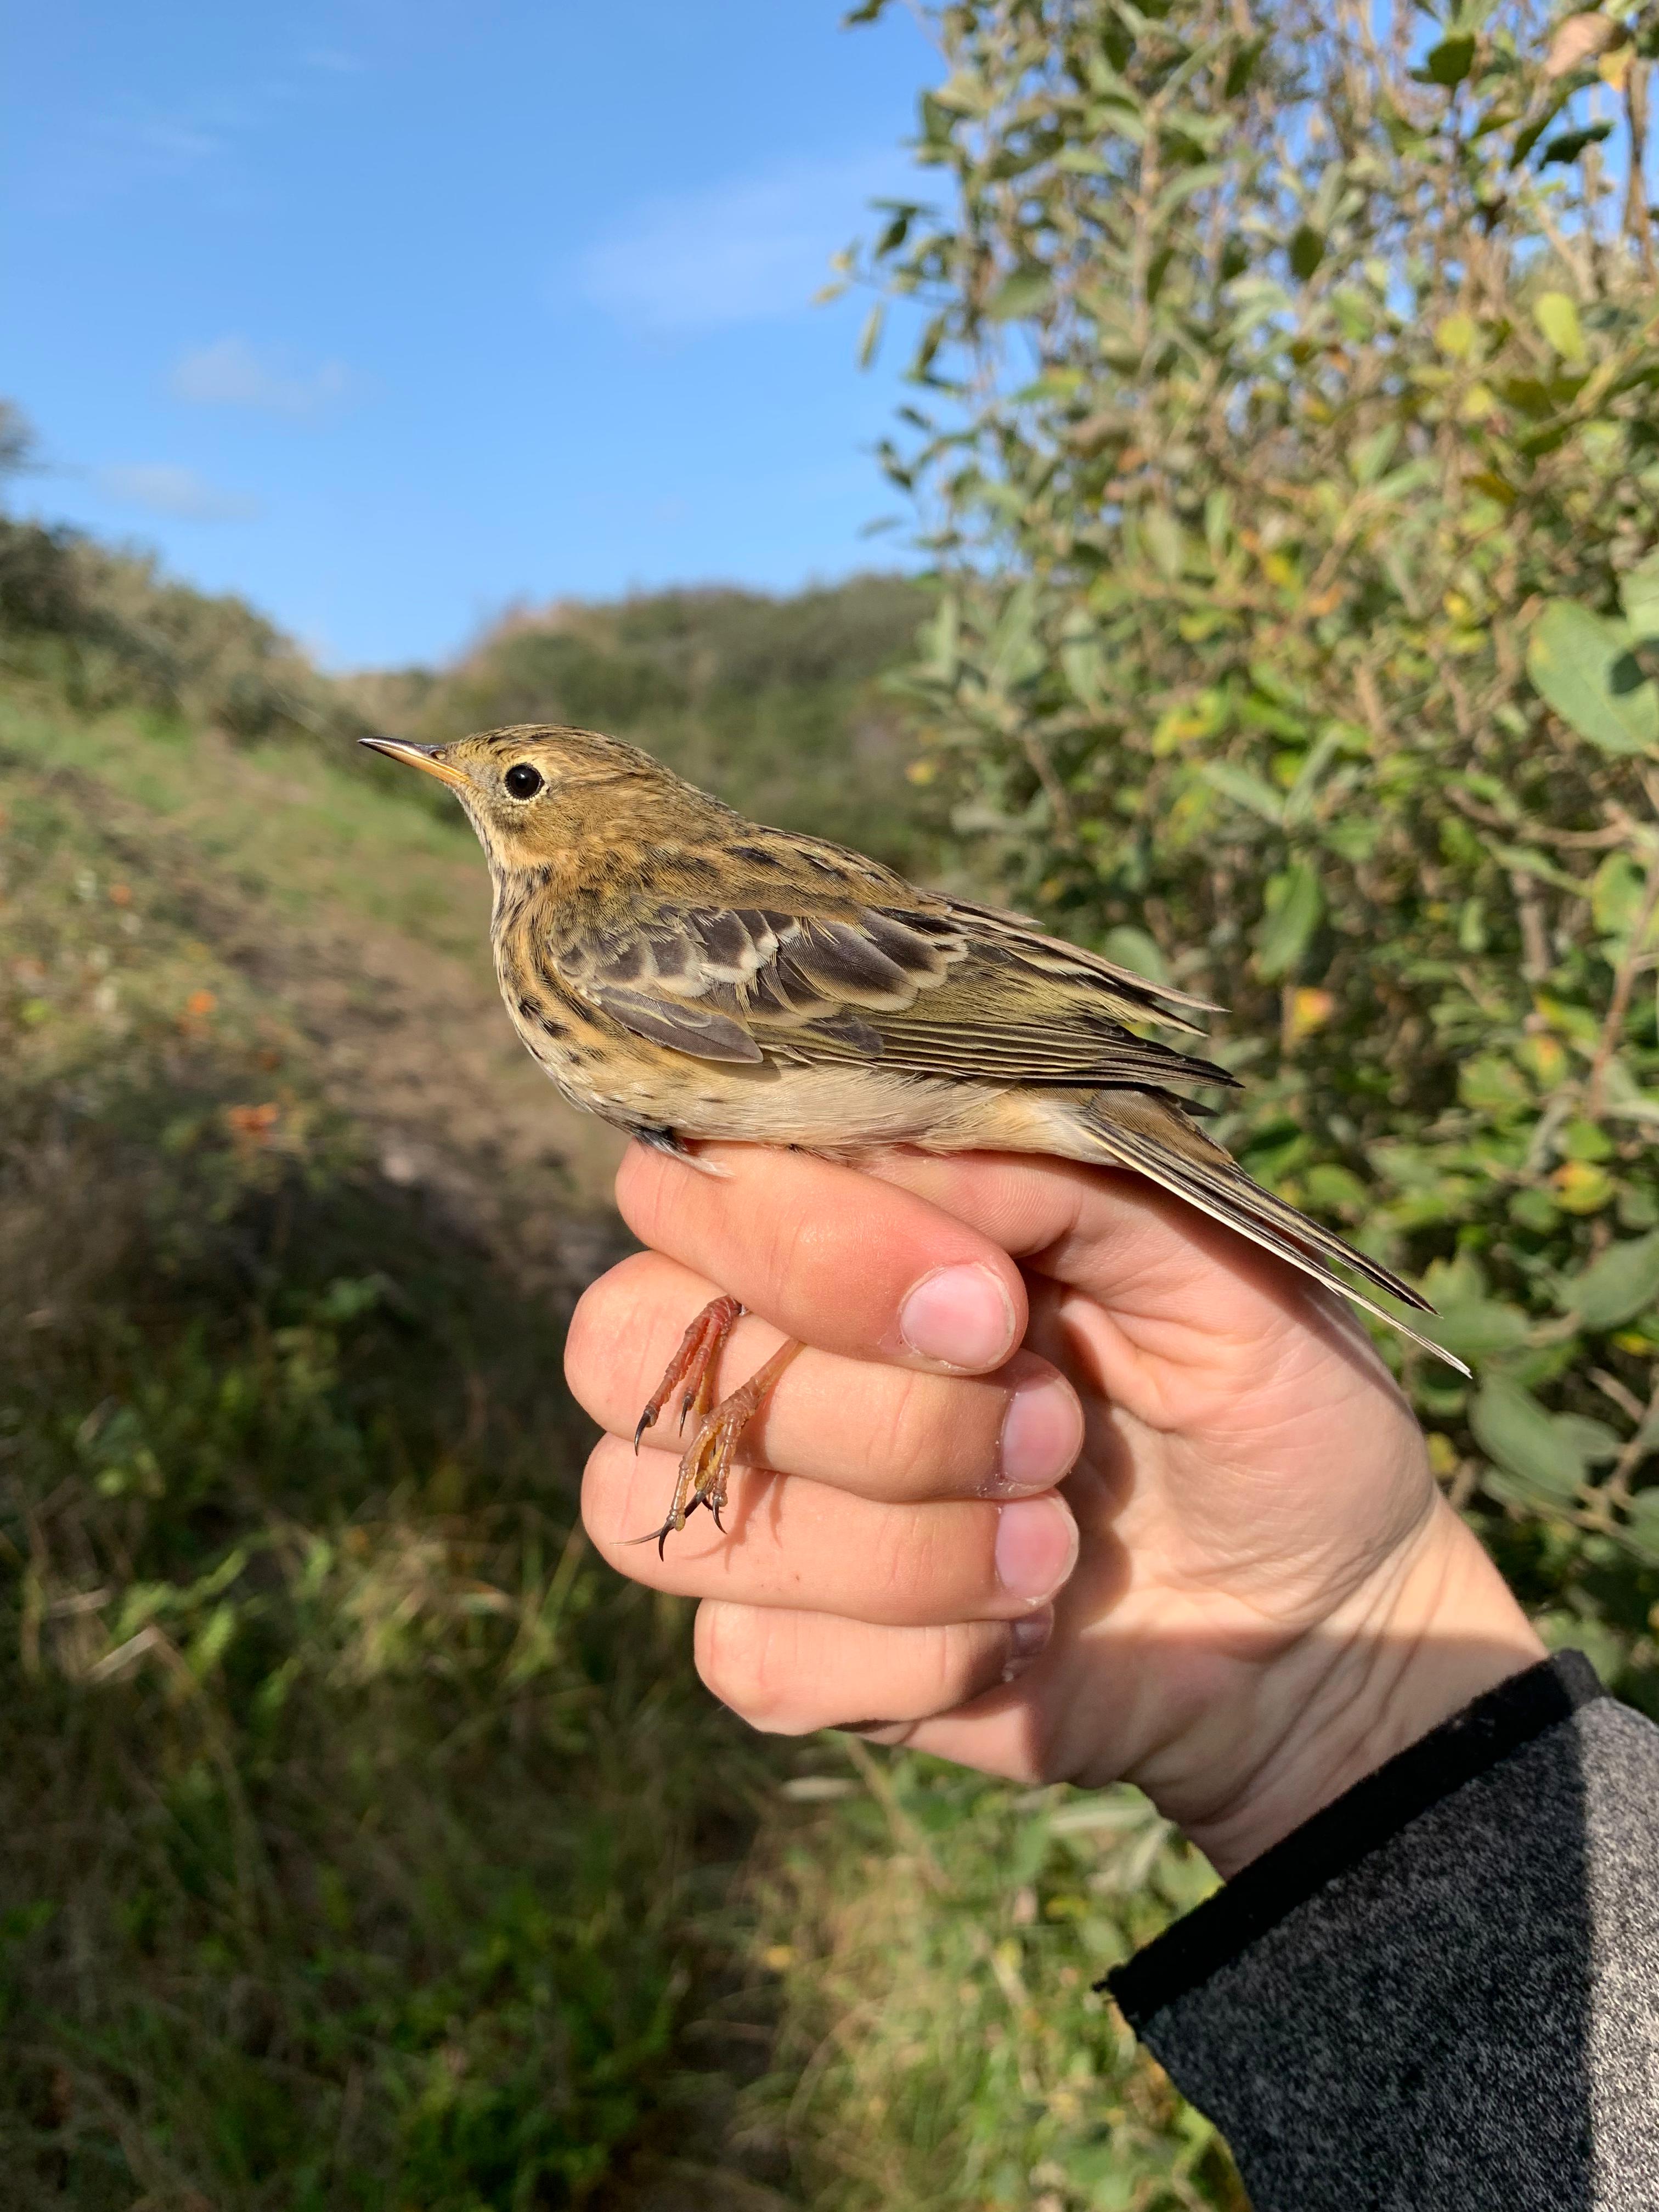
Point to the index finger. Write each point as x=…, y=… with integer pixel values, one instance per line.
x=832, y=1256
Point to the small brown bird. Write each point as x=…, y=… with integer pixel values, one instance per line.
x=687, y=973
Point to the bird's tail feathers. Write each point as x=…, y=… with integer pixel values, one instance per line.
x=1213, y=1182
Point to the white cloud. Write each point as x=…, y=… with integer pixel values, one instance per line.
x=164, y=487
x=749, y=250
x=170, y=144
x=231, y=373
x=99, y=157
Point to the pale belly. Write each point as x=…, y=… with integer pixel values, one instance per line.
x=828, y=1109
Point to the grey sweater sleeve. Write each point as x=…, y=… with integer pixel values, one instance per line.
x=1441, y=1994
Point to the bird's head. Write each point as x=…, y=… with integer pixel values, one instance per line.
x=534, y=790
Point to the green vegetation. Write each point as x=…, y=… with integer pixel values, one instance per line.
x=370, y=1845
x=942, y=2045
x=1285, y=432
x=101, y=628
x=359, y=1831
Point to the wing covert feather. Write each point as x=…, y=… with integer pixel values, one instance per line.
x=944, y=989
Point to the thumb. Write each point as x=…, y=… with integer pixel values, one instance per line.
x=1175, y=1285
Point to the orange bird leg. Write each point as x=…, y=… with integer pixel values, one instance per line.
x=693, y=1365
x=706, y=1466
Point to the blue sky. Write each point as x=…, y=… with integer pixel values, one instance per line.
x=388, y=312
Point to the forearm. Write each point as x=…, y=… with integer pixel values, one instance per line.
x=1442, y=1990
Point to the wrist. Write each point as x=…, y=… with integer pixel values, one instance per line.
x=1432, y=1628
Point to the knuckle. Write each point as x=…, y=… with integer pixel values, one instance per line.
x=904, y=1568
x=949, y=1668
x=645, y=1191
x=596, y=1519
x=749, y=1659
x=914, y=1438
x=959, y=1662
x=583, y=1335
x=616, y=1320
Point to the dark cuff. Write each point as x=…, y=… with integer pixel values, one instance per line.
x=1363, y=1818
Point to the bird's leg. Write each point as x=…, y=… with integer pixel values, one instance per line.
x=708, y=1463
x=693, y=1366
x=705, y=1468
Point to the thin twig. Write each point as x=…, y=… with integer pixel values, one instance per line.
x=1036, y=753
x=1637, y=225
x=1623, y=984
x=1590, y=841
x=1627, y=1400
x=1616, y=1488
x=1535, y=961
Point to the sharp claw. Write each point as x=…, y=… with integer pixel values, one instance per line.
x=642, y=1425
x=704, y=1464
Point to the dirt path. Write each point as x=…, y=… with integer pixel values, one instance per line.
x=368, y=921
x=418, y=1049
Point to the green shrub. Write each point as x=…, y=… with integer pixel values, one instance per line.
x=1286, y=434
x=104, y=628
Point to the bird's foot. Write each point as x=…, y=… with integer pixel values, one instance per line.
x=706, y=1466
x=691, y=1370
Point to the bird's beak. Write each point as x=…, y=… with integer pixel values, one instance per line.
x=427, y=758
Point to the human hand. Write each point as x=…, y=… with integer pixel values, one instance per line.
x=1249, y=1592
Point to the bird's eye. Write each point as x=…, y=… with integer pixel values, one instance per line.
x=522, y=781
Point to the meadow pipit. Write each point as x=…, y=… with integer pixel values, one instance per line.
x=687, y=973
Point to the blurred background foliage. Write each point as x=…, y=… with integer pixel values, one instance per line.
x=1286, y=432
x=1283, y=440
x=370, y=1845
x=778, y=696
x=774, y=697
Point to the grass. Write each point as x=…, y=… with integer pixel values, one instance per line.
x=282, y=821
x=942, y=2044
x=370, y=1845
x=359, y=1827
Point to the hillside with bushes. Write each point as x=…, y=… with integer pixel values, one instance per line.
x=369, y=1844
x=776, y=704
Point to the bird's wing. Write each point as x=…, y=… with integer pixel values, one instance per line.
x=1018, y=934
x=941, y=989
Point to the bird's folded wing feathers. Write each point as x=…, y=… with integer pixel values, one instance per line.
x=1052, y=955
x=949, y=990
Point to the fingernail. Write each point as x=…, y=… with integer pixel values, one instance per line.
x=1036, y=1548
x=1042, y=1436
x=961, y=1316
x=1027, y=1640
